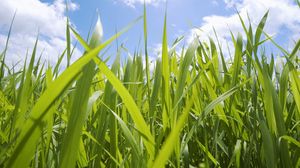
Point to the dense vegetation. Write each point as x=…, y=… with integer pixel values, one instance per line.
x=197, y=108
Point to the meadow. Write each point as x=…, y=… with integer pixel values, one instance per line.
x=196, y=108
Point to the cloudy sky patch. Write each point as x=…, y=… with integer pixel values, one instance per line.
x=190, y=18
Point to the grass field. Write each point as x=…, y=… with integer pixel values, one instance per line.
x=196, y=108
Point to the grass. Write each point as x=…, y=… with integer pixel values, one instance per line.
x=192, y=110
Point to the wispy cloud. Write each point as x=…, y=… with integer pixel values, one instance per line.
x=34, y=17
x=283, y=14
x=215, y=2
x=133, y=3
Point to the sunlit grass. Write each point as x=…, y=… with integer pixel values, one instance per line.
x=192, y=110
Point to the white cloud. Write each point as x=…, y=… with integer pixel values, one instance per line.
x=283, y=14
x=155, y=50
x=132, y=3
x=215, y=2
x=231, y=3
x=34, y=17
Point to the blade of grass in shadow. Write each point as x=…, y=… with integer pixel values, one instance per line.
x=295, y=85
x=169, y=144
x=130, y=138
x=267, y=144
x=112, y=103
x=290, y=139
x=77, y=117
x=210, y=107
x=155, y=95
x=277, y=111
x=209, y=155
x=236, y=155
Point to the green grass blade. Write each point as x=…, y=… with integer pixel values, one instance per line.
x=259, y=30
x=237, y=60
x=290, y=139
x=130, y=138
x=268, y=145
x=30, y=130
x=130, y=105
x=183, y=72
x=146, y=53
x=68, y=42
x=209, y=155
x=3, y=54
x=25, y=91
x=169, y=145
x=295, y=50
x=165, y=80
x=295, y=87
x=77, y=117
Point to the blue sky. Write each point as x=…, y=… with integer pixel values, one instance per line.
x=190, y=18
x=182, y=16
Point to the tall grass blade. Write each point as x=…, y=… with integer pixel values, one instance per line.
x=165, y=80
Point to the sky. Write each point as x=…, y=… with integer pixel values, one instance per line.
x=188, y=18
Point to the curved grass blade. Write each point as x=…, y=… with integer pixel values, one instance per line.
x=290, y=139
x=31, y=132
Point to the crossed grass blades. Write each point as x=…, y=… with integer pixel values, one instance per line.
x=195, y=109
